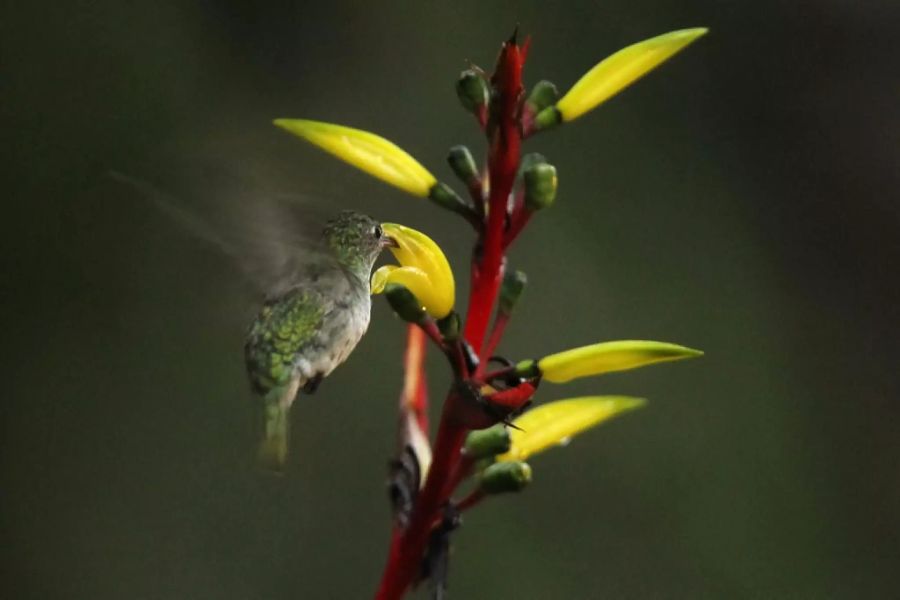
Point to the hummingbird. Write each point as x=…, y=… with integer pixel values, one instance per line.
x=314, y=281
x=310, y=323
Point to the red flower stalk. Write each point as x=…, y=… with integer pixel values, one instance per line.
x=504, y=138
x=421, y=292
x=415, y=386
x=487, y=391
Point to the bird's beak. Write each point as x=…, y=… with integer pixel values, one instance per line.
x=389, y=242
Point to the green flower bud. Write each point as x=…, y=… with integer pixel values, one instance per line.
x=528, y=369
x=503, y=477
x=542, y=95
x=540, y=186
x=404, y=303
x=487, y=443
x=472, y=90
x=512, y=287
x=529, y=160
x=463, y=164
x=450, y=326
x=548, y=118
x=444, y=196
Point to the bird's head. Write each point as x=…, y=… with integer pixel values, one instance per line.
x=356, y=240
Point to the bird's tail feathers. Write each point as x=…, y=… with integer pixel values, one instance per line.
x=273, y=447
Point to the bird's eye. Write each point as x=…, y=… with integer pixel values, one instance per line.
x=377, y=232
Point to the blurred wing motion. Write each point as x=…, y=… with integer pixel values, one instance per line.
x=316, y=291
x=271, y=238
x=275, y=242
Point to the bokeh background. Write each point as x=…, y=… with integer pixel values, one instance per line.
x=742, y=199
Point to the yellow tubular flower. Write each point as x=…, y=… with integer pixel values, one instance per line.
x=557, y=422
x=423, y=270
x=615, y=73
x=605, y=357
x=366, y=151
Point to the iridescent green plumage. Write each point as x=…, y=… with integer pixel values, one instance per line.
x=311, y=323
x=281, y=330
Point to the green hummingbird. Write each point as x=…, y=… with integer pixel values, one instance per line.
x=314, y=279
x=310, y=323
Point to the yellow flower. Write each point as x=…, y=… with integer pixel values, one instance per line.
x=557, y=422
x=605, y=357
x=615, y=73
x=366, y=151
x=423, y=270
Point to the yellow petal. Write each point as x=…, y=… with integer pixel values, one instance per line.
x=424, y=270
x=380, y=278
x=557, y=422
x=608, y=357
x=615, y=73
x=412, y=278
x=366, y=151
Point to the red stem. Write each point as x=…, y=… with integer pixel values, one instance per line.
x=453, y=351
x=415, y=388
x=469, y=501
x=463, y=469
x=476, y=192
x=493, y=341
x=498, y=373
x=503, y=161
x=408, y=548
x=433, y=333
x=517, y=224
x=503, y=129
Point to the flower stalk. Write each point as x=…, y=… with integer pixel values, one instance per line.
x=482, y=433
x=504, y=142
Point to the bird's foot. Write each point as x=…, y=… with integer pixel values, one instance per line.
x=312, y=384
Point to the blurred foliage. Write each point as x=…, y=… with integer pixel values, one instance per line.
x=740, y=201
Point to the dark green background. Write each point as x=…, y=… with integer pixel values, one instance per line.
x=742, y=200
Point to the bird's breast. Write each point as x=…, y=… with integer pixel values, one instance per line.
x=343, y=329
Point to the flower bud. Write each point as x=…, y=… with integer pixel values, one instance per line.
x=505, y=477
x=613, y=74
x=366, y=151
x=444, y=196
x=404, y=303
x=542, y=95
x=450, y=326
x=540, y=186
x=472, y=90
x=487, y=443
x=527, y=369
x=511, y=289
x=605, y=357
x=463, y=164
x=529, y=160
x=548, y=118
x=555, y=423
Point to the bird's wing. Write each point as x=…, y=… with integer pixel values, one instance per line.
x=285, y=327
x=271, y=237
